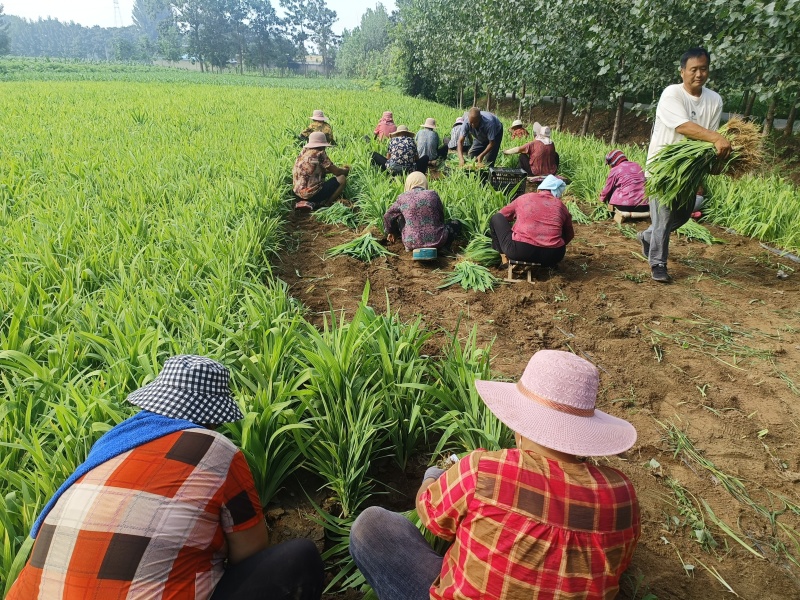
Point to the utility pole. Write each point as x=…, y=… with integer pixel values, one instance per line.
x=117, y=14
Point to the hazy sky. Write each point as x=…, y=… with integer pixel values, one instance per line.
x=101, y=12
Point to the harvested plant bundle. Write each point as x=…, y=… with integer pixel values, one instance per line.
x=692, y=230
x=364, y=248
x=679, y=169
x=337, y=214
x=578, y=216
x=480, y=251
x=471, y=276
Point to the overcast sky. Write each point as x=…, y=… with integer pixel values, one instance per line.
x=101, y=12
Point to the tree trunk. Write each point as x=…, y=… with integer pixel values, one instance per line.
x=475, y=95
x=745, y=98
x=562, y=113
x=514, y=94
x=461, y=97
x=618, y=119
x=587, y=116
x=789, y=129
x=770, y=117
x=748, y=108
x=488, y=101
x=521, y=98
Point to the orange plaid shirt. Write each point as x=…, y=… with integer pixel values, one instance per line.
x=525, y=526
x=149, y=523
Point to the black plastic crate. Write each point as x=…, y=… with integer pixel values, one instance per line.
x=505, y=179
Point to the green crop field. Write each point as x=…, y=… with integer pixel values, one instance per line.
x=139, y=218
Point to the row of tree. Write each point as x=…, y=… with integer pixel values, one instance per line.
x=597, y=53
x=213, y=33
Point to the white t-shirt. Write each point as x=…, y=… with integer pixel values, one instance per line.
x=676, y=107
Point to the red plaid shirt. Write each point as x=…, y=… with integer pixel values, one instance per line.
x=525, y=526
x=150, y=523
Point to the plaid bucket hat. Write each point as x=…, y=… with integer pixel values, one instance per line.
x=194, y=388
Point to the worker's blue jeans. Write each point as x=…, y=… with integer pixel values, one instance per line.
x=393, y=556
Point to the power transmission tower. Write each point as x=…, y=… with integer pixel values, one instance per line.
x=117, y=14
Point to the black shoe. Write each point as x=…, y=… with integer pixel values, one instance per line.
x=659, y=273
x=645, y=244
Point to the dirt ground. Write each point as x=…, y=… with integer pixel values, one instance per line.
x=716, y=353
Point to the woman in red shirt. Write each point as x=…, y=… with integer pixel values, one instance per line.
x=542, y=226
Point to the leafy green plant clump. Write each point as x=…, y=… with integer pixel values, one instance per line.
x=365, y=248
x=471, y=276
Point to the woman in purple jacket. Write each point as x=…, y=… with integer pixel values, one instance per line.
x=624, y=189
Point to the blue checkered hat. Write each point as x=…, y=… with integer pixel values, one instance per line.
x=190, y=387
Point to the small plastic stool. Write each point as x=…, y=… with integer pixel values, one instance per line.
x=425, y=254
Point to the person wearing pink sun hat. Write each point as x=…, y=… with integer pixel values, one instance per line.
x=532, y=521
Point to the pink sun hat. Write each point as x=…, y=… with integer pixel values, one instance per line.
x=553, y=404
x=318, y=115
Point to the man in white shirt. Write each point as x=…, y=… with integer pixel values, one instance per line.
x=684, y=110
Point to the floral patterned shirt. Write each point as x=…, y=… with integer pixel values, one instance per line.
x=309, y=171
x=419, y=216
x=403, y=153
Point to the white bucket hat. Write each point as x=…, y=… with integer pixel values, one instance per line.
x=430, y=123
x=553, y=404
x=516, y=123
x=317, y=139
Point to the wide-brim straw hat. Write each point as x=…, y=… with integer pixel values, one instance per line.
x=194, y=388
x=318, y=115
x=317, y=139
x=553, y=404
x=516, y=123
x=430, y=123
x=401, y=130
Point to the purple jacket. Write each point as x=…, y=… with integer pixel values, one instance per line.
x=625, y=185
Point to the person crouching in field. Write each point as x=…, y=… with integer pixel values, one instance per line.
x=402, y=156
x=535, y=521
x=518, y=131
x=624, y=189
x=542, y=226
x=308, y=175
x=385, y=126
x=455, y=134
x=319, y=122
x=166, y=507
x=538, y=157
x=418, y=216
x=427, y=141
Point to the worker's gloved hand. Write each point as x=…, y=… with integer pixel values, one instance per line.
x=433, y=473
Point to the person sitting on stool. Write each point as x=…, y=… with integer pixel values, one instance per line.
x=542, y=227
x=418, y=215
x=624, y=189
x=403, y=155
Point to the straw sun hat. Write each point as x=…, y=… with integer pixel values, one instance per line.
x=317, y=139
x=430, y=123
x=401, y=130
x=190, y=387
x=553, y=404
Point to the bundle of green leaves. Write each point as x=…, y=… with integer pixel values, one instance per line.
x=471, y=276
x=365, y=248
x=679, y=169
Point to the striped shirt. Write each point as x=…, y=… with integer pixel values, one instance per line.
x=150, y=523
x=525, y=526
